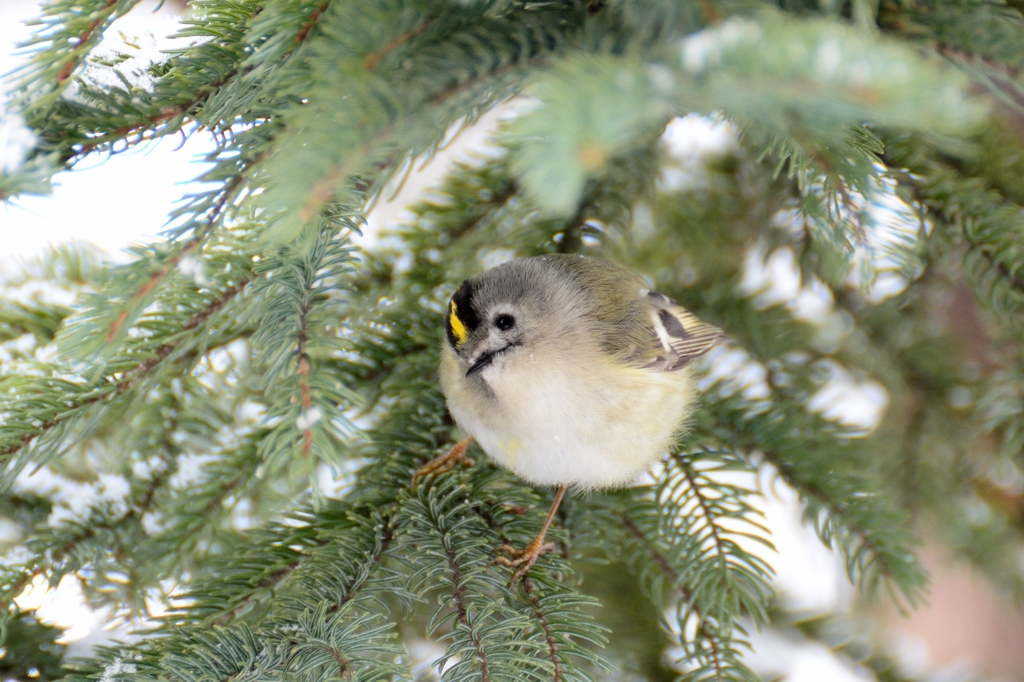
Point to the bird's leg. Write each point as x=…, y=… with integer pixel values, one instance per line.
x=523, y=559
x=447, y=461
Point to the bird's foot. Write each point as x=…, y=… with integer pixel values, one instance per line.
x=523, y=559
x=446, y=462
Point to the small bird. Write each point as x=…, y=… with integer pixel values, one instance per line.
x=569, y=371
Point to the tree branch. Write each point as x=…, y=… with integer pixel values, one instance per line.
x=837, y=510
x=303, y=33
x=170, y=111
x=83, y=38
x=703, y=502
x=374, y=58
x=548, y=635
x=531, y=595
x=129, y=378
x=666, y=566
x=193, y=244
x=458, y=592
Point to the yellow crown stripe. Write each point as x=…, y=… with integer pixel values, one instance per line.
x=458, y=328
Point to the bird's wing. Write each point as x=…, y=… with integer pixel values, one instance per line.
x=679, y=335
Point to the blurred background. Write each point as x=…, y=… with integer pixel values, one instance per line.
x=965, y=631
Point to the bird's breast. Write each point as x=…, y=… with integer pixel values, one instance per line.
x=588, y=424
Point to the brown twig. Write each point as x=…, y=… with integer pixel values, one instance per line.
x=709, y=13
x=190, y=246
x=373, y=59
x=307, y=400
x=303, y=33
x=84, y=37
x=340, y=660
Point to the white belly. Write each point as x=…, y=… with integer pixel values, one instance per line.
x=574, y=425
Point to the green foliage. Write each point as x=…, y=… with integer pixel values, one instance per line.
x=243, y=404
x=293, y=344
x=32, y=177
x=31, y=651
x=788, y=82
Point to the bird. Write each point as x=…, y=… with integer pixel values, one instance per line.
x=569, y=371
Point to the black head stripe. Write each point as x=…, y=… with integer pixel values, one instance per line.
x=462, y=302
x=448, y=327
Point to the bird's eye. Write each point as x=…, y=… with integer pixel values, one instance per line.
x=504, y=322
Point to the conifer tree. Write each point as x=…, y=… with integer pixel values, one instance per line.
x=222, y=371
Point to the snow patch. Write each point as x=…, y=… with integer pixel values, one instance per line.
x=10, y=532
x=15, y=141
x=828, y=58
x=691, y=141
x=130, y=50
x=848, y=399
x=773, y=654
x=190, y=470
x=117, y=669
x=731, y=369
x=307, y=419
x=73, y=499
x=704, y=50
x=39, y=291
x=193, y=268
x=242, y=517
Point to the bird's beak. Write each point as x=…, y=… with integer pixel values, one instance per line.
x=486, y=358
x=482, y=361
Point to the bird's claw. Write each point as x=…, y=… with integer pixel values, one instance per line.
x=446, y=462
x=522, y=559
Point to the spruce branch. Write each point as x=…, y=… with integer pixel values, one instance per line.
x=70, y=32
x=374, y=58
x=434, y=522
x=846, y=510
x=549, y=603
x=294, y=340
x=589, y=114
x=1001, y=81
x=719, y=661
x=311, y=22
x=85, y=37
x=222, y=369
x=50, y=559
x=459, y=599
x=115, y=313
x=245, y=586
x=982, y=218
x=538, y=609
x=53, y=405
x=300, y=191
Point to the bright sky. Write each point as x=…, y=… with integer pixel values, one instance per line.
x=116, y=201
x=110, y=202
